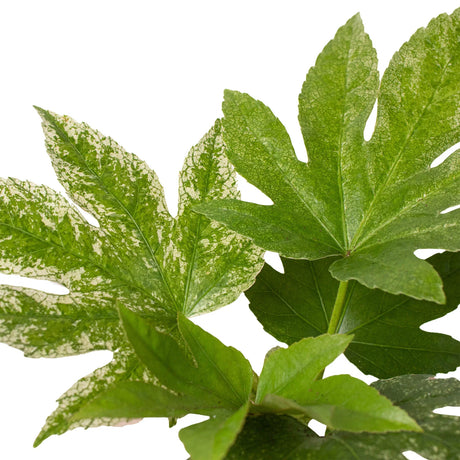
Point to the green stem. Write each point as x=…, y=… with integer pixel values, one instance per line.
x=338, y=308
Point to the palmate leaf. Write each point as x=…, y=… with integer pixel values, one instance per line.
x=371, y=203
x=140, y=256
x=274, y=437
x=387, y=339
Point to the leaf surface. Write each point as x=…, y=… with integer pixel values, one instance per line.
x=289, y=372
x=387, y=339
x=370, y=203
x=139, y=255
x=289, y=384
x=274, y=437
x=124, y=367
x=202, y=367
x=211, y=439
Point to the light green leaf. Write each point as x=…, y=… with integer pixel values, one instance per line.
x=345, y=403
x=387, y=338
x=370, y=203
x=274, y=437
x=211, y=440
x=202, y=367
x=140, y=255
x=137, y=400
x=288, y=384
x=291, y=371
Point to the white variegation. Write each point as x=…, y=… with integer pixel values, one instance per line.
x=139, y=255
x=124, y=366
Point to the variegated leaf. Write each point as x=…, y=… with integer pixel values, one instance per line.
x=139, y=255
x=125, y=367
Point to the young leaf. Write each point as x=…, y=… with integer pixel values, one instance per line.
x=341, y=402
x=211, y=440
x=205, y=369
x=272, y=437
x=290, y=371
x=137, y=400
x=139, y=256
x=387, y=338
x=372, y=203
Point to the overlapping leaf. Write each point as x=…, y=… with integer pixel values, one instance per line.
x=387, y=338
x=196, y=374
x=289, y=384
x=139, y=256
x=271, y=437
x=372, y=203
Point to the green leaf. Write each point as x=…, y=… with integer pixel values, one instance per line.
x=211, y=439
x=290, y=372
x=274, y=437
x=370, y=203
x=387, y=339
x=203, y=368
x=137, y=400
x=340, y=402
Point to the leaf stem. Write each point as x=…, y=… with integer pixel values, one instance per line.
x=338, y=308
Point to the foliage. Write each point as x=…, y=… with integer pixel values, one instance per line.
x=347, y=223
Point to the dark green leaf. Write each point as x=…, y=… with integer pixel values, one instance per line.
x=387, y=339
x=272, y=437
x=371, y=203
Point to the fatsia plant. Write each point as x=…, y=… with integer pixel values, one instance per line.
x=352, y=216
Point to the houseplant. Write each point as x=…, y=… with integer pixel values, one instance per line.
x=353, y=216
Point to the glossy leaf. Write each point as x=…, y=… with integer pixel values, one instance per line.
x=370, y=203
x=211, y=439
x=289, y=372
x=387, y=339
x=202, y=367
x=274, y=437
x=289, y=384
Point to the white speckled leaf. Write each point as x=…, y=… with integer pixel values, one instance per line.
x=371, y=203
x=124, y=367
x=140, y=256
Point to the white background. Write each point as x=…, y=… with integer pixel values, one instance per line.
x=151, y=75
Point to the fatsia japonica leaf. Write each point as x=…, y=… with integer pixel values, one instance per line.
x=139, y=255
x=289, y=384
x=124, y=367
x=201, y=367
x=387, y=339
x=274, y=437
x=371, y=203
x=211, y=439
x=195, y=373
